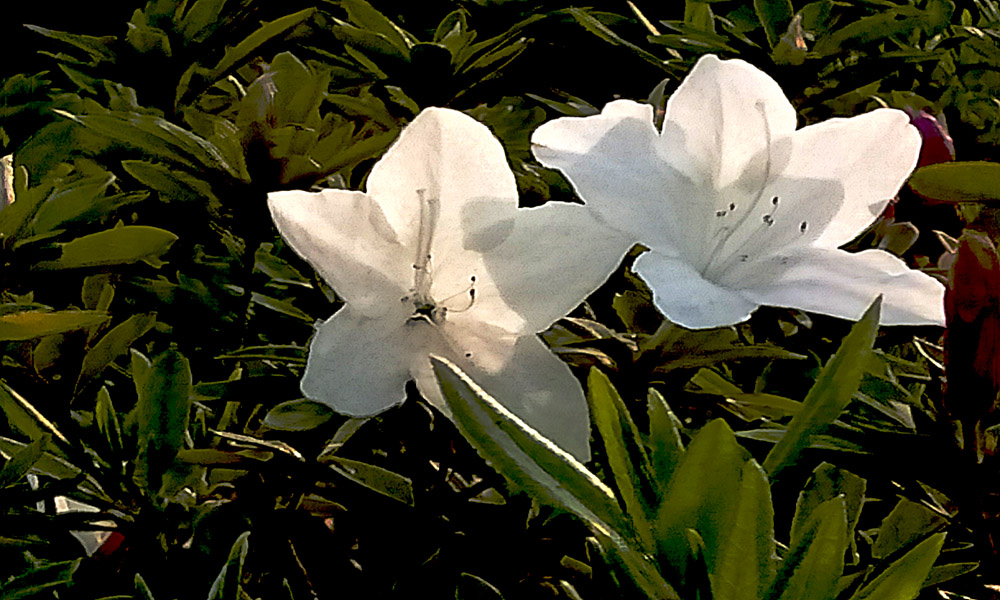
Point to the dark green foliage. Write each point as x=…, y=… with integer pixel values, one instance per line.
x=154, y=326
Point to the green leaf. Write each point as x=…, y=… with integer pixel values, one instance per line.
x=365, y=16
x=141, y=589
x=39, y=579
x=171, y=184
x=471, y=587
x=157, y=138
x=283, y=307
x=48, y=464
x=666, y=450
x=161, y=416
x=24, y=417
x=593, y=25
x=829, y=482
x=121, y=245
x=698, y=14
x=200, y=16
x=832, y=392
x=812, y=567
x=972, y=181
x=703, y=494
x=901, y=20
x=626, y=455
x=774, y=15
x=34, y=324
x=904, y=578
x=385, y=482
x=527, y=459
x=285, y=354
x=534, y=464
x=227, y=583
x=240, y=53
x=107, y=420
x=22, y=461
x=98, y=48
x=113, y=344
x=298, y=415
x=745, y=563
x=909, y=521
x=749, y=407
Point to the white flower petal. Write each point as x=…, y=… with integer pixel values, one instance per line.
x=614, y=164
x=844, y=284
x=359, y=366
x=687, y=298
x=724, y=114
x=453, y=159
x=90, y=540
x=536, y=386
x=556, y=256
x=345, y=237
x=477, y=340
x=869, y=156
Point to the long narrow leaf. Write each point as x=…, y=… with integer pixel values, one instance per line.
x=831, y=393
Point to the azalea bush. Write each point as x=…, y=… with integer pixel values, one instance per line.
x=501, y=299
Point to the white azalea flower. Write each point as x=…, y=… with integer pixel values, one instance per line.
x=740, y=209
x=435, y=257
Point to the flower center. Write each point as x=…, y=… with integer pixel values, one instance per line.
x=741, y=232
x=425, y=307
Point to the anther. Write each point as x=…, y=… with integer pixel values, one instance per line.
x=774, y=201
x=768, y=220
x=803, y=226
x=732, y=206
x=720, y=213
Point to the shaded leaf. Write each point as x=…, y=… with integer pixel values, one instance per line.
x=33, y=324
x=377, y=479
x=227, y=583
x=298, y=415
x=161, y=416
x=113, y=344
x=39, y=579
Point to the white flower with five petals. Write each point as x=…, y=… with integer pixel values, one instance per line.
x=437, y=258
x=738, y=208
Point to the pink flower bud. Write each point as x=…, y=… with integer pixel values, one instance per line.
x=937, y=144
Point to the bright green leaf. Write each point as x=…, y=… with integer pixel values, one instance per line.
x=121, y=245
x=958, y=182
x=904, y=578
x=831, y=393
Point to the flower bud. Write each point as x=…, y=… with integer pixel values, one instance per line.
x=937, y=145
x=972, y=339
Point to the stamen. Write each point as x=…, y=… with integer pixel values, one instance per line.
x=803, y=226
x=774, y=201
x=721, y=213
x=469, y=291
x=732, y=206
x=768, y=220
